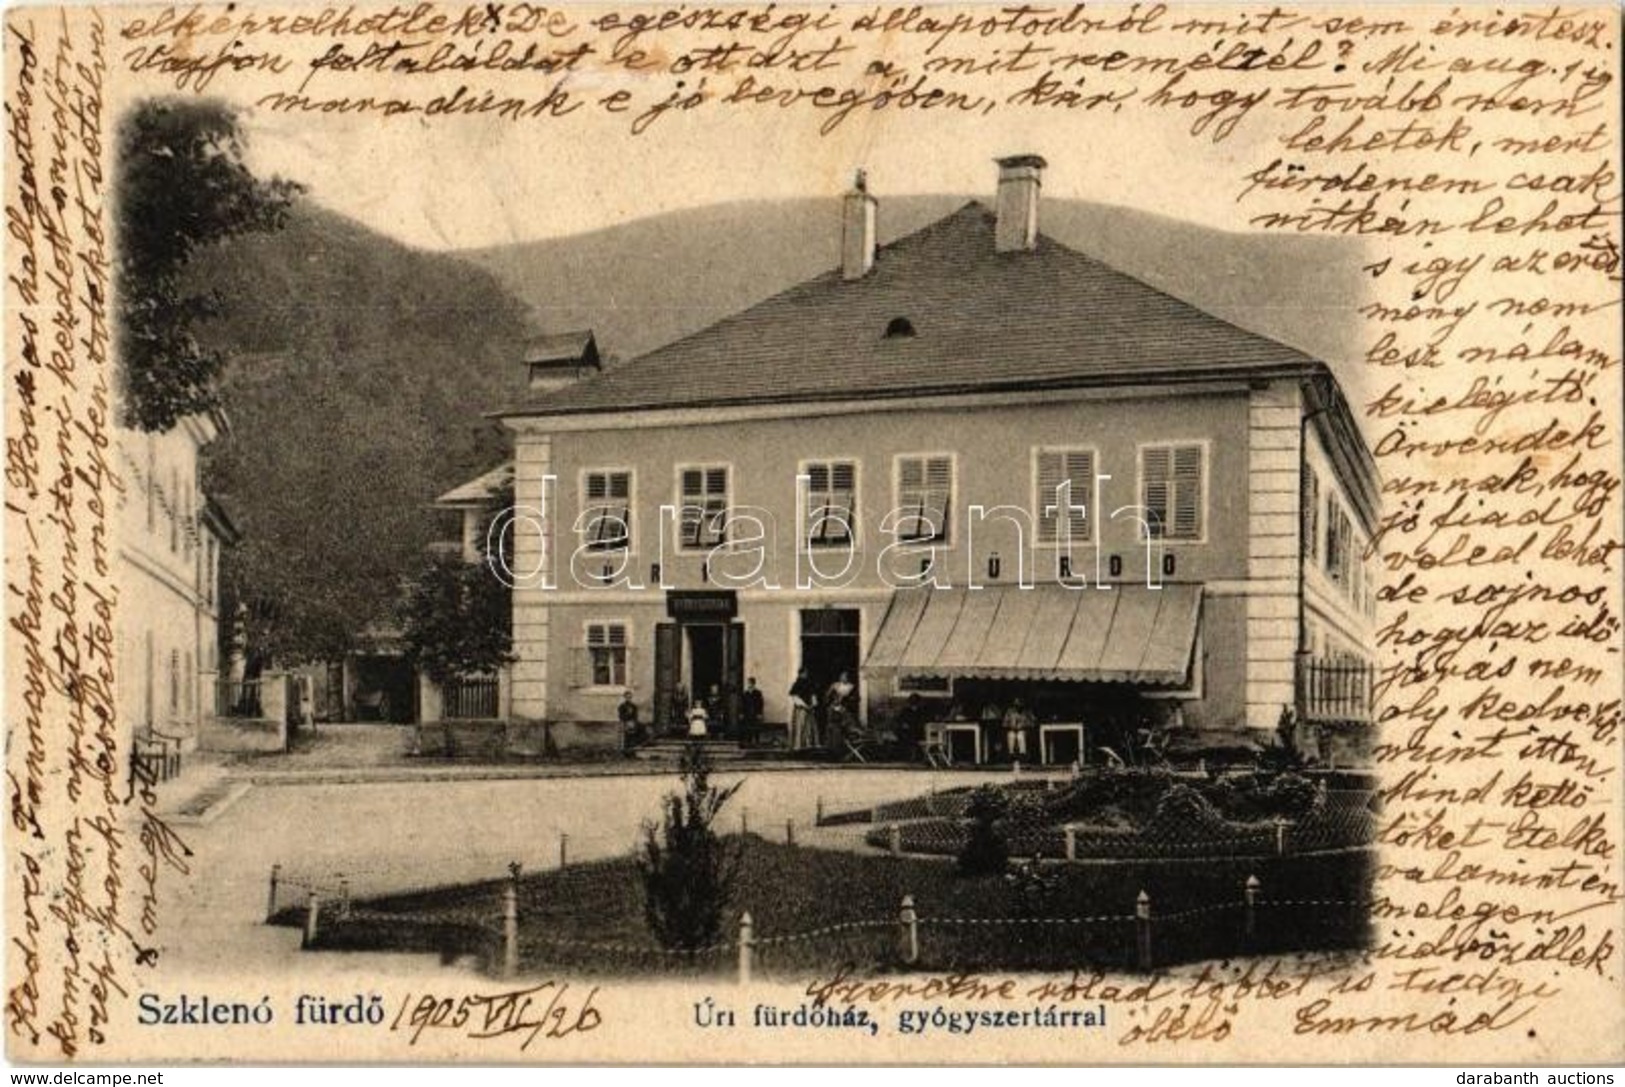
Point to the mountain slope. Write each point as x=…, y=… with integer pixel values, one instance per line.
x=359, y=371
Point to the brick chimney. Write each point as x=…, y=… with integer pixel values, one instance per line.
x=1020, y=178
x=858, y=229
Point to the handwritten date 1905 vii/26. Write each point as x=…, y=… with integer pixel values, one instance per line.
x=548, y=1010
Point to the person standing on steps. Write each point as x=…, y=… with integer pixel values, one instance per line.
x=803, y=700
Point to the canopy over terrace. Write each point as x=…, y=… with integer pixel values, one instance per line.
x=1113, y=634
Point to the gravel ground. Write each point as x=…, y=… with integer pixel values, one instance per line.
x=401, y=835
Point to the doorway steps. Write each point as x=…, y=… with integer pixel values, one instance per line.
x=671, y=750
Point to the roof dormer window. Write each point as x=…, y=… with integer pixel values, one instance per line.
x=899, y=328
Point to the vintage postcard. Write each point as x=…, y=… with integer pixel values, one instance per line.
x=838, y=533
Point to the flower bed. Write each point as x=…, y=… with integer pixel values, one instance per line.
x=1143, y=814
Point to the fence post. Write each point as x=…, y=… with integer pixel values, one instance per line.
x=744, y=821
x=1015, y=767
x=789, y=832
x=344, y=899
x=1249, y=895
x=270, y=899
x=564, y=849
x=1280, y=837
x=1142, y=929
x=510, y=931
x=313, y=909
x=894, y=840
x=1071, y=843
x=909, y=923
x=747, y=941
x=818, y=819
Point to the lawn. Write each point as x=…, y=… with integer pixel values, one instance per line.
x=819, y=909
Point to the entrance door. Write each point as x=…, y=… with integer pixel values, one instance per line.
x=829, y=646
x=706, y=659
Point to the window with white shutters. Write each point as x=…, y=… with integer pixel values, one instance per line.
x=1055, y=468
x=1171, y=491
x=832, y=488
x=704, y=506
x=606, y=654
x=606, y=505
x=925, y=492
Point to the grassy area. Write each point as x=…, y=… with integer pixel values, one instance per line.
x=589, y=917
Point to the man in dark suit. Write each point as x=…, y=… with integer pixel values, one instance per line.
x=750, y=726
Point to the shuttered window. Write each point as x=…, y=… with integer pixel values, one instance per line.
x=1055, y=468
x=1309, y=502
x=704, y=502
x=1339, y=542
x=606, y=506
x=606, y=653
x=925, y=491
x=1171, y=491
x=832, y=488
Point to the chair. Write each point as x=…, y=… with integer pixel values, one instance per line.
x=935, y=747
x=858, y=742
x=859, y=746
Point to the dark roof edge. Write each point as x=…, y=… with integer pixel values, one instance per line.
x=1346, y=446
x=1184, y=375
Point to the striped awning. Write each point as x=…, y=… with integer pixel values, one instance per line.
x=1119, y=634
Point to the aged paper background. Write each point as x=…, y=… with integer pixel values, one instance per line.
x=1472, y=154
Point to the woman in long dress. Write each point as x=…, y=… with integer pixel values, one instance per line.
x=803, y=699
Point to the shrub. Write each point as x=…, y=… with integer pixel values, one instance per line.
x=985, y=852
x=1032, y=888
x=1112, y=796
x=1265, y=795
x=688, y=872
x=1285, y=754
x=1183, y=809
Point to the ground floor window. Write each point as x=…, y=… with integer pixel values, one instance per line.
x=606, y=653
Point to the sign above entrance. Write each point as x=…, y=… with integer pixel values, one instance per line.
x=702, y=606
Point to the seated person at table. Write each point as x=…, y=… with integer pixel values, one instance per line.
x=910, y=724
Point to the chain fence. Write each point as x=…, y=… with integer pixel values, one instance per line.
x=511, y=926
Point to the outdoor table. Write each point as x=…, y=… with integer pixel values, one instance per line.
x=1047, y=735
x=975, y=731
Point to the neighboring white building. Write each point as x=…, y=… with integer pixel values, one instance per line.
x=171, y=537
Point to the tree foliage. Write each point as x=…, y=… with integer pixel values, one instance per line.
x=985, y=853
x=688, y=871
x=365, y=367
x=457, y=619
x=183, y=186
